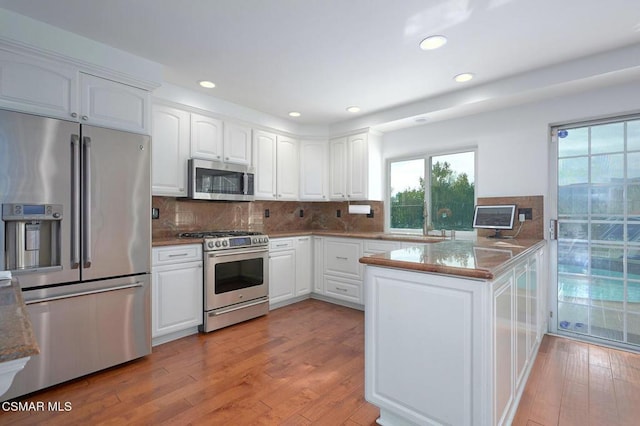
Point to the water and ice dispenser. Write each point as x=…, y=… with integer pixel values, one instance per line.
x=32, y=235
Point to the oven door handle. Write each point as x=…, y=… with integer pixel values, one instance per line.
x=236, y=253
x=237, y=308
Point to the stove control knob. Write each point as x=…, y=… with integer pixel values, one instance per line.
x=217, y=243
x=210, y=244
x=224, y=243
x=255, y=241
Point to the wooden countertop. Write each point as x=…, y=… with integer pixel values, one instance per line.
x=482, y=258
x=16, y=335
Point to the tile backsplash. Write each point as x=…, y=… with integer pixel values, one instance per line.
x=183, y=215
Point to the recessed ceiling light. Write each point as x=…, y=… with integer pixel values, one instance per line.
x=294, y=114
x=461, y=78
x=207, y=84
x=353, y=108
x=433, y=42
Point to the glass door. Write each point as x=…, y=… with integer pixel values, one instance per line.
x=597, y=254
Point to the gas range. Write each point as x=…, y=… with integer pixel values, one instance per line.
x=225, y=240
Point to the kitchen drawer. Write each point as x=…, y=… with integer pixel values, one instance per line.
x=377, y=246
x=343, y=289
x=281, y=244
x=177, y=254
x=341, y=258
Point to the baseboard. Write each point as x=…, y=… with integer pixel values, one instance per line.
x=174, y=336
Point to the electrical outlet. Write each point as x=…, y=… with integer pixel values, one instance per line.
x=266, y=212
x=155, y=213
x=338, y=213
x=521, y=217
x=301, y=213
x=527, y=212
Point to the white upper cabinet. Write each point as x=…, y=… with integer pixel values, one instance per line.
x=338, y=168
x=355, y=167
x=115, y=105
x=170, y=142
x=313, y=170
x=357, y=177
x=264, y=148
x=276, y=163
x=211, y=139
x=286, y=168
x=56, y=89
x=206, y=137
x=237, y=143
x=38, y=86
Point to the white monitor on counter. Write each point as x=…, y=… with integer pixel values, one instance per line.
x=496, y=217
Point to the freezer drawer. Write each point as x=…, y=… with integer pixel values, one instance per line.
x=83, y=328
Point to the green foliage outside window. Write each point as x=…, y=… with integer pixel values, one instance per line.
x=451, y=205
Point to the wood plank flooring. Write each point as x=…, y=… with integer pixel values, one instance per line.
x=304, y=364
x=578, y=384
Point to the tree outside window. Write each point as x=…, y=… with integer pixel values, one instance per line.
x=451, y=192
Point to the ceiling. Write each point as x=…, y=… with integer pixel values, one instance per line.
x=318, y=57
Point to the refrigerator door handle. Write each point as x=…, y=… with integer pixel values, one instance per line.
x=75, y=215
x=86, y=141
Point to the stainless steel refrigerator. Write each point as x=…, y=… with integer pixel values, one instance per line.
x=76, y=232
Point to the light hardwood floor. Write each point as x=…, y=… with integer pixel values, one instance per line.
x=304, y=364
x=301, y=364
x=578, y=384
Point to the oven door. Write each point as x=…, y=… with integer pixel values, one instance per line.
x=235, y=276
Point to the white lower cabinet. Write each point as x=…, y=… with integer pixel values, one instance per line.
x=304, y=269
x=342, y=270
x=177, y=290
x=485, y=333
x=282, y=271
x=318, y=265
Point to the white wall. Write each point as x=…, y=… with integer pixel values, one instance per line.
x=513, y=154
x=52, y=41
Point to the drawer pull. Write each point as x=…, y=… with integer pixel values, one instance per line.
x=342, y=258
x=178, y=255
x=342, y=289
x=282, y=245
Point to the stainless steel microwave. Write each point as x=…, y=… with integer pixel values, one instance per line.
x=215, y=180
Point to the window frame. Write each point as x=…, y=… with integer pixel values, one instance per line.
x=428, y=158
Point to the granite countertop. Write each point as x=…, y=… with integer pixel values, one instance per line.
x=16, y=335
x=168, y=241
x=173, y=241
x=482, y=258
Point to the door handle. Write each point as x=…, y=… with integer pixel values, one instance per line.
x=86, y=141
x=75, y=211
x=553, y=229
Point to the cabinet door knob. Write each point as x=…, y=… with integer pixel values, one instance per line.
x=85, y=118
x=74, y=114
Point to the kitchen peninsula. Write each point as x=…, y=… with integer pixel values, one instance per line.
x=17, y=341
x=452, y=329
